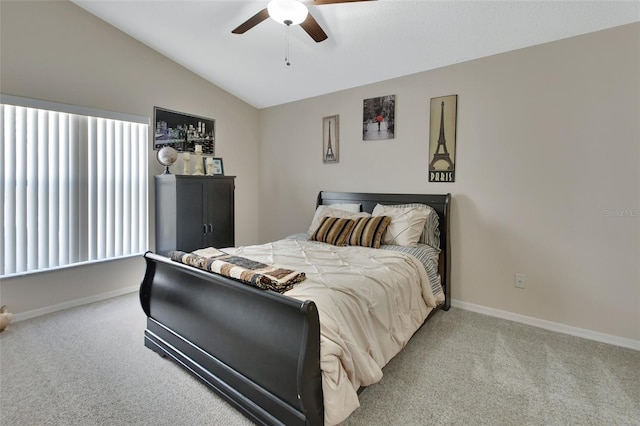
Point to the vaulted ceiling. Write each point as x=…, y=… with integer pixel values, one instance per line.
x=367, y=41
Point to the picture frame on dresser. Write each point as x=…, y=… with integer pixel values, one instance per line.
x=218, y=168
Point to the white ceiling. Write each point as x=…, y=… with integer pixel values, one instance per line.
x=368, y=41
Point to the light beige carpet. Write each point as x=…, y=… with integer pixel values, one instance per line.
x=88, y=366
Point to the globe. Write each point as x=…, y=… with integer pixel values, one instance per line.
x=167, y=156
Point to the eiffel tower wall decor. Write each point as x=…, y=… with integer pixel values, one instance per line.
x=442, y=139
x=330, y=136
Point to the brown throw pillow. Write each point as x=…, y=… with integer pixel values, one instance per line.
x=333, y=230
x=368, y=231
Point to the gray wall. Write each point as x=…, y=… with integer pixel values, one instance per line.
x=56, y=51
x=548, y=147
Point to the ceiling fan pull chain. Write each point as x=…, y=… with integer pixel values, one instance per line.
x=286, y=48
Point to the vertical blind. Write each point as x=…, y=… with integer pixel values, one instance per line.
x=74, y=186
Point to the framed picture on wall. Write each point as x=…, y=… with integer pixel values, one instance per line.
x=442, y=139
x=378, y=118
x=183, y=131
x=330, y=139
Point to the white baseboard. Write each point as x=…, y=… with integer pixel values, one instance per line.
x=549, y=325
x=536, y=322
x=73, y=303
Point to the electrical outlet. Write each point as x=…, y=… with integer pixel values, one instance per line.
x=519, y=280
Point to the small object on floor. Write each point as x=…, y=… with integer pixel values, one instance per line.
x=5, y=318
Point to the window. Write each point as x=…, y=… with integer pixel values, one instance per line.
x=73, y=185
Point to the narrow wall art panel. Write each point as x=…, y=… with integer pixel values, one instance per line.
x=442, y=139
x=330, y=139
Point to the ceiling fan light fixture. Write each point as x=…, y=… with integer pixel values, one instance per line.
x=287, y=12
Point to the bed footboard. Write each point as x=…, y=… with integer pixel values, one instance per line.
x=258, y=349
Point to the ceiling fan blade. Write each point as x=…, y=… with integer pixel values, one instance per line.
x=311, y=26
x=320, y=2
x=251, y=22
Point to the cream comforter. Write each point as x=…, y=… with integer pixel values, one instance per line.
x=370, y=302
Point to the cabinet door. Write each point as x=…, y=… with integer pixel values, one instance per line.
x=190, y=198
x=220, y=211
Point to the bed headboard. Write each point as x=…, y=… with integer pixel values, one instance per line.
x=440, y=203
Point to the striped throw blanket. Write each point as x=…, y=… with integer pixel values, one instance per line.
x=242, y=269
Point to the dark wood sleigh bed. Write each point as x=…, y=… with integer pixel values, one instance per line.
x=258, y=349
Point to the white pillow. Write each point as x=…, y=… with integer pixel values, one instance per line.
x=353, y=208
x=323, y=211
x=431, y=232
x=407, y=224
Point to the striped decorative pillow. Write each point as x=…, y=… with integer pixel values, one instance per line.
x=368, y=231
x=333, y=230
x=323, y=211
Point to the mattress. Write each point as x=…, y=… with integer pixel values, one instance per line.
x=370, y=302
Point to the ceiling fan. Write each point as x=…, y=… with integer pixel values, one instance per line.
x=291, y=12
